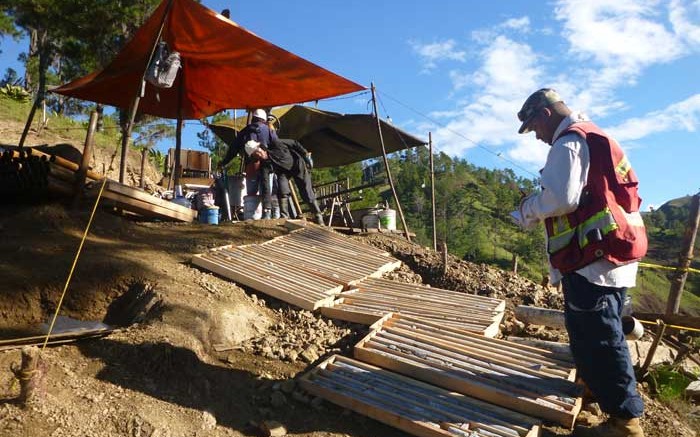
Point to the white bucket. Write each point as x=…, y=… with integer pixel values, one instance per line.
x=370, y=220
x=632, y=328
x=387, y=219
x=236, y=187
x=252, y=208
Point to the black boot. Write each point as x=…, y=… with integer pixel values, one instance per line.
x=317, y=212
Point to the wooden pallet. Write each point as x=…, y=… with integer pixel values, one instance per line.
x=412, y=406
x=137, y=201
x=525, y=379
x=374, y=298
x=249, y=266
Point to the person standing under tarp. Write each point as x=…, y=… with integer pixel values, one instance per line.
x=259, y=132
x=289, y=160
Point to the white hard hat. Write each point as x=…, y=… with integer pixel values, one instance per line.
x=260, y=113
x=251, y=146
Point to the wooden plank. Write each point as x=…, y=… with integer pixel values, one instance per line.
x=528, y=385
x=135, y=193
x=412, y=406
x=144, y=208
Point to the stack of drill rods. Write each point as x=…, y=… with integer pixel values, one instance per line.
x=429, y=408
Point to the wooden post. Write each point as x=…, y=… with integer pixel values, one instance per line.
x=685, y=257
x=178, y=131
x=81, y=174
x=540, y=316
x=28, y=374
x=514, y=263
x=295, y=199
x=386, y=164
x=660, y=329
x=444, y=258
x=139, y=92
x=144, y=153
x=432, y=189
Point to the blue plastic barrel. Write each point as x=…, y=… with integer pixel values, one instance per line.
x=209, y=215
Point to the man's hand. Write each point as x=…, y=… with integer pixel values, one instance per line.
x=309, y=161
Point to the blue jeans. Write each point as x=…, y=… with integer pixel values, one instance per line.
x=598, y=345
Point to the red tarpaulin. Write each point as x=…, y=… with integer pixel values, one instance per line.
x=224, y=66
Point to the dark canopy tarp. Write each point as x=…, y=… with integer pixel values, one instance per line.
x=223, y=65
x=334, y=139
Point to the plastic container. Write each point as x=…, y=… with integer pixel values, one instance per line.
x=252, y=208
x=387, y=219
x=209, y=215
x=632, y=328
x=237, y=190
x=370, y=220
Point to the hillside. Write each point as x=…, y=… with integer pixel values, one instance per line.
x=164, y=373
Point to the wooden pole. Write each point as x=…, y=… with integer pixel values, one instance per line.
x=660, y=329
x=432, y=189
x=144, y=153
x=386, y=164
x=81, y=174
x=28, y=374
x=139, y=92
x=685, y=257
x=178, y=135
x=444, y=258
x=540, y=316
x=295, y=199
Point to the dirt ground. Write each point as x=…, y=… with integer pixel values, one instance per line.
x=164, y=376
x=208, y=358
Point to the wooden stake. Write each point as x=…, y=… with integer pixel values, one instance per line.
x=444, y=258
x=660, y=329
x=28, y=375
x=686, y=256
x=386, y=164
x=432, y=188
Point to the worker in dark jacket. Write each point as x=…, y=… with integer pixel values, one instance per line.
x=257, y=131
x=289, y=160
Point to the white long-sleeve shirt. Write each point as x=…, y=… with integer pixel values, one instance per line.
x=563, y=179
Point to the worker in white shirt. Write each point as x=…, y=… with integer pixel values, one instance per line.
x=595, y=237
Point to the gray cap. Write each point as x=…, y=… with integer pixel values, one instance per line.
x=537, y=101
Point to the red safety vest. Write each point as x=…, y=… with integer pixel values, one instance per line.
x=607, y=223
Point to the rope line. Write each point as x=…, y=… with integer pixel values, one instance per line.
x=685, y=328
x=656, y=266
x=75, y=262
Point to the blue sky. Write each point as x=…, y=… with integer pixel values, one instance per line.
x=461, y=70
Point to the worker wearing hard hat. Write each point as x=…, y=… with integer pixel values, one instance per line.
x=257, y=131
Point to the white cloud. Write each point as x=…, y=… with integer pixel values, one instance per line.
x=681, y=15
x=521, y=24
x=438, y=51
x=684, y=115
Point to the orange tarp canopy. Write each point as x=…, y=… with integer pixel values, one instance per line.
x=224, y=66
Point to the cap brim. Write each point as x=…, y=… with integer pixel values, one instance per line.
x=525, y=127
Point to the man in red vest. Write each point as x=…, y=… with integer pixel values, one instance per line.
x=595, y=237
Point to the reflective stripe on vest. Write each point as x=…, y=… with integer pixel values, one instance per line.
x=603, y=220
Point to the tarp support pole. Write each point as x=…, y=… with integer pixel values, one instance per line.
x=178, y=132
x=135, y=105
x=386, y=164
x=432, y=188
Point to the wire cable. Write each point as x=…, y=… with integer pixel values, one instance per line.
x=464, y=137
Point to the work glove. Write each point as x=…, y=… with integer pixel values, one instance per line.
x=309, y=161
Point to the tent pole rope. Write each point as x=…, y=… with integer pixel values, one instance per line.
x=386, y=164
x=139, y=92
